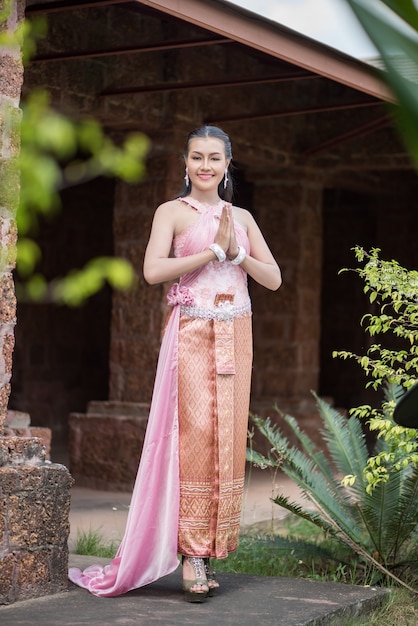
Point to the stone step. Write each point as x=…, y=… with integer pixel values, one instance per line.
x=21, y=451
x=116, y=408
x=103, y=416
x=17, y=419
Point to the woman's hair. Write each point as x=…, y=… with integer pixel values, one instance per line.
x=226, y=193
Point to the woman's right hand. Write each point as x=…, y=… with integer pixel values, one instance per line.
x=223, y=236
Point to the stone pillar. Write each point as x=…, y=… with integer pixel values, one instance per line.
x=11, y=78
x=34, y=495
x=287, y=323
x=138, y=316
x=34, y=526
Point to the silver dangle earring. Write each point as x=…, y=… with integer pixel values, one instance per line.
x=226, y=178
x=186, y=177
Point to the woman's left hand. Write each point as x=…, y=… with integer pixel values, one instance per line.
x=233, y=246
x=222, y=237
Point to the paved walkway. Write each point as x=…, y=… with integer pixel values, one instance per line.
x=242, y=601
x=106, y=511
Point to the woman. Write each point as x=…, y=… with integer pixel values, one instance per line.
x=188, y=492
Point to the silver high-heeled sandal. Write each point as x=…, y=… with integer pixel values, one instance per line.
x=211, y=577
x=200, y=579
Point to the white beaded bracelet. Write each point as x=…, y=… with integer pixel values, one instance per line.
x=217, y=250
x=240, y=256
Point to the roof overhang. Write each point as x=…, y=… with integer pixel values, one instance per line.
x=278, y=41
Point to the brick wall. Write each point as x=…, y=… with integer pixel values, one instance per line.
x=138, y=316
x=287, y=323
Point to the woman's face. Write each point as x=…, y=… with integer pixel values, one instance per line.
x=206, y=163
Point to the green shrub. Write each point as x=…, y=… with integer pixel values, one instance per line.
x=368, y=501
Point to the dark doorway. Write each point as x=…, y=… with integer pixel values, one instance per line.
x=61, y=359
x=348, y=220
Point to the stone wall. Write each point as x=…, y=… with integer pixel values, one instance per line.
x=34, y=526
x=34, y=494
x=61, y=359
x=17, y=424
x=285, y=334
x=282, y=186
x=105, y=444
x=11, y=79
x=138, y=316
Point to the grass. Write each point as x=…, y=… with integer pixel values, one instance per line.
x=296, y=549
x=400, y=610
x=92, y=543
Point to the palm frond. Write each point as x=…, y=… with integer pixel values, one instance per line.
x=316, y=488
x=281, y=448
x=310, y=516
x=317, y=456
x=314, y=474
x=375, y=525
x=344, y=438
x=378, y=511
x=399, y=520
x=394, y=392
x=259, y=460
x=273, y=435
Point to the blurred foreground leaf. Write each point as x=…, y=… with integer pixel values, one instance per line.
x=392, y=26
x=56, y=153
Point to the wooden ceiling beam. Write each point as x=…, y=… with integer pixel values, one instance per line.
x=158, y=47
x=360, y=131
x=67, y=5
x=208, y=84
x=277, y=41
x=326, y=108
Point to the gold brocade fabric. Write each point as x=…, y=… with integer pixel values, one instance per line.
x=214, y=377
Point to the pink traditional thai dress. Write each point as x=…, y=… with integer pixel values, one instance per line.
x=188, y=491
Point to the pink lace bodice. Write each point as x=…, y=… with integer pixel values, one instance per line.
x=214, y=278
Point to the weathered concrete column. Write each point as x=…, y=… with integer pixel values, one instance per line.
x=34, y=495
x=287, y=323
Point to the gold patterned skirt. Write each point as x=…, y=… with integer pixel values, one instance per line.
x=214, y=378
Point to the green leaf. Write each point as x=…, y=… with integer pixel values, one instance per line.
x=395, y=44
x=36, y=288
x=79, y=285
x=406, y=9
x=28, y=255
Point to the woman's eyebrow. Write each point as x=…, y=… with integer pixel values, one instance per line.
x=197, y=152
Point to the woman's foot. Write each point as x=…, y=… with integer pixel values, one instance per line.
x=195, y=584
x=211, y=577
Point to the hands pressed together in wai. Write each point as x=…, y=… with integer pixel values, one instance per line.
x=225, y=237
